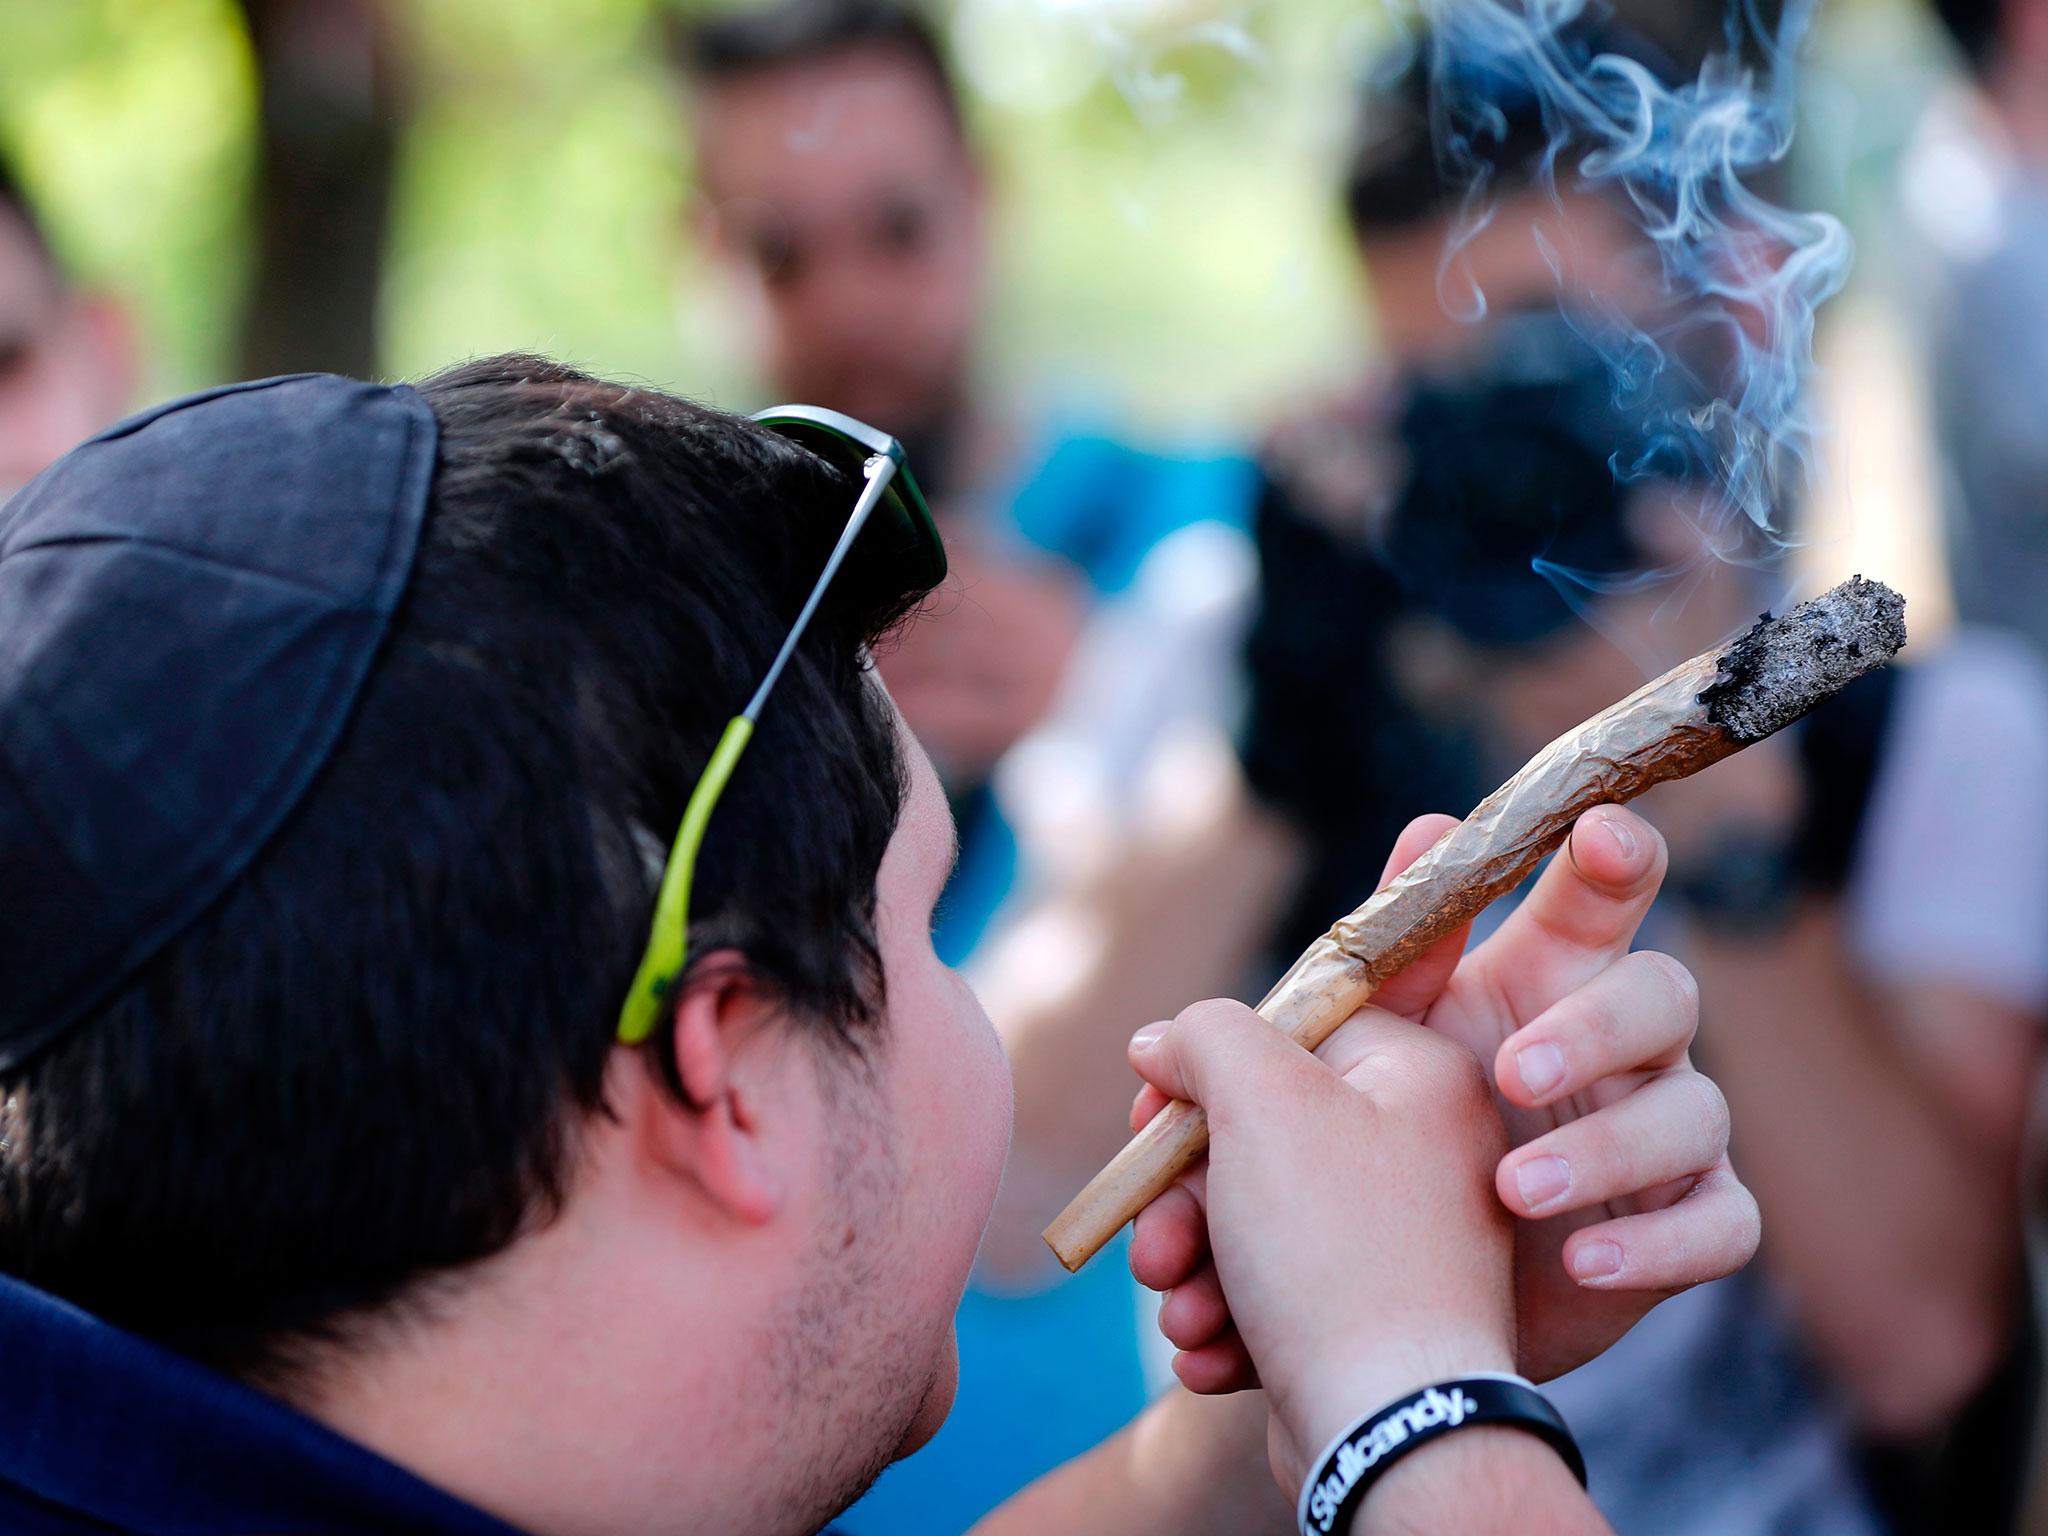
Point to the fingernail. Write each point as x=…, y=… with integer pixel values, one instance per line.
x=1541, y=1068
x=1623, y=834
x=1147, y=1037
x=1542, y=1180
x=1596, y=1261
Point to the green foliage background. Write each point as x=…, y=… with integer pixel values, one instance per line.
x=1164, y=169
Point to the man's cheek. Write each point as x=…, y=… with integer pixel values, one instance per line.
x=995, y=1104
x=969, y=1084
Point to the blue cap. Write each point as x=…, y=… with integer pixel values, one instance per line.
x=189, y=606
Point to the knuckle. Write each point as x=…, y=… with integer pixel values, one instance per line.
x=1608, y=1156
x=1206, y=1023
x=1451, y=1071
x=1715, y=1118
x=1349, y=1042
x=1681, y=986
x=1749, y=1223
x=1728, y=1225
x=1592, y=1025
x=1605, y=1020
x=1209, y=1014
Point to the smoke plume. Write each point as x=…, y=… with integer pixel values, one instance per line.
x=1715, y=373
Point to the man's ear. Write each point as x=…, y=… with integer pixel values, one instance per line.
x=726, y=1034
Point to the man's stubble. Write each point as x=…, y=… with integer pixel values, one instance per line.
x=846, y=1374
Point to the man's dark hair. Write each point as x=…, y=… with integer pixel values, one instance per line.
x=1410, y=164
x=1975, y=26
x=756, y=39
x=369, y=1061
x=1398, y=176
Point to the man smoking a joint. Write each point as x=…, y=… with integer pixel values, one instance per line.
x=454, y=1078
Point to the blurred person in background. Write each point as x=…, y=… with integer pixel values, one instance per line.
x=1976, y=195
x=67, y=354
x=841, y=188
x=1871, y=944
x=1091, y=618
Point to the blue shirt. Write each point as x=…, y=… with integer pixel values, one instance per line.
x=1103, y=507
x=1043, y=1377
x=1046, y=1375
x=101, y=1431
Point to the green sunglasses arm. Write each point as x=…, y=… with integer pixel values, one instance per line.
x=669, y=946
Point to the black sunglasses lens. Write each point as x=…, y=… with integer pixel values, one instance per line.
x=899, y=555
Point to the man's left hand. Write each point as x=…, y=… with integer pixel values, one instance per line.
x=1618, y=1159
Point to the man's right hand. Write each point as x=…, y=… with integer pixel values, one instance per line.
x=1352, y=1219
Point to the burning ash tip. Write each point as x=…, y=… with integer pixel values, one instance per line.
x=1783, y=667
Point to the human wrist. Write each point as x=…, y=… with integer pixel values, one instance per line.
x=1331, y=1398
x=1351, y=1468
x=1485, y=1479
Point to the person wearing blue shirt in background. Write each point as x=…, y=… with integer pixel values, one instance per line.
x=839, y=186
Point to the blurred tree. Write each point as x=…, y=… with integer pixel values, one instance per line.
x=428, y=179
x=328, y=129
x=131, y=123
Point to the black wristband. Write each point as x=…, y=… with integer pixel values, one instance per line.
x=1357, y=1458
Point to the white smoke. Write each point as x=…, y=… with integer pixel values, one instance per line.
x=1682, y=160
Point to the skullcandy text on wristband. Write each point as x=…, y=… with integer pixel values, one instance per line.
x=1356, y=1459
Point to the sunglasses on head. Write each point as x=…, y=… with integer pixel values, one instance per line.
x=890, y=539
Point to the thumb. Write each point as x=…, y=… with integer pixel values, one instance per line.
x=1411, y=993
x=1218, y=1054
x=1579, y=918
